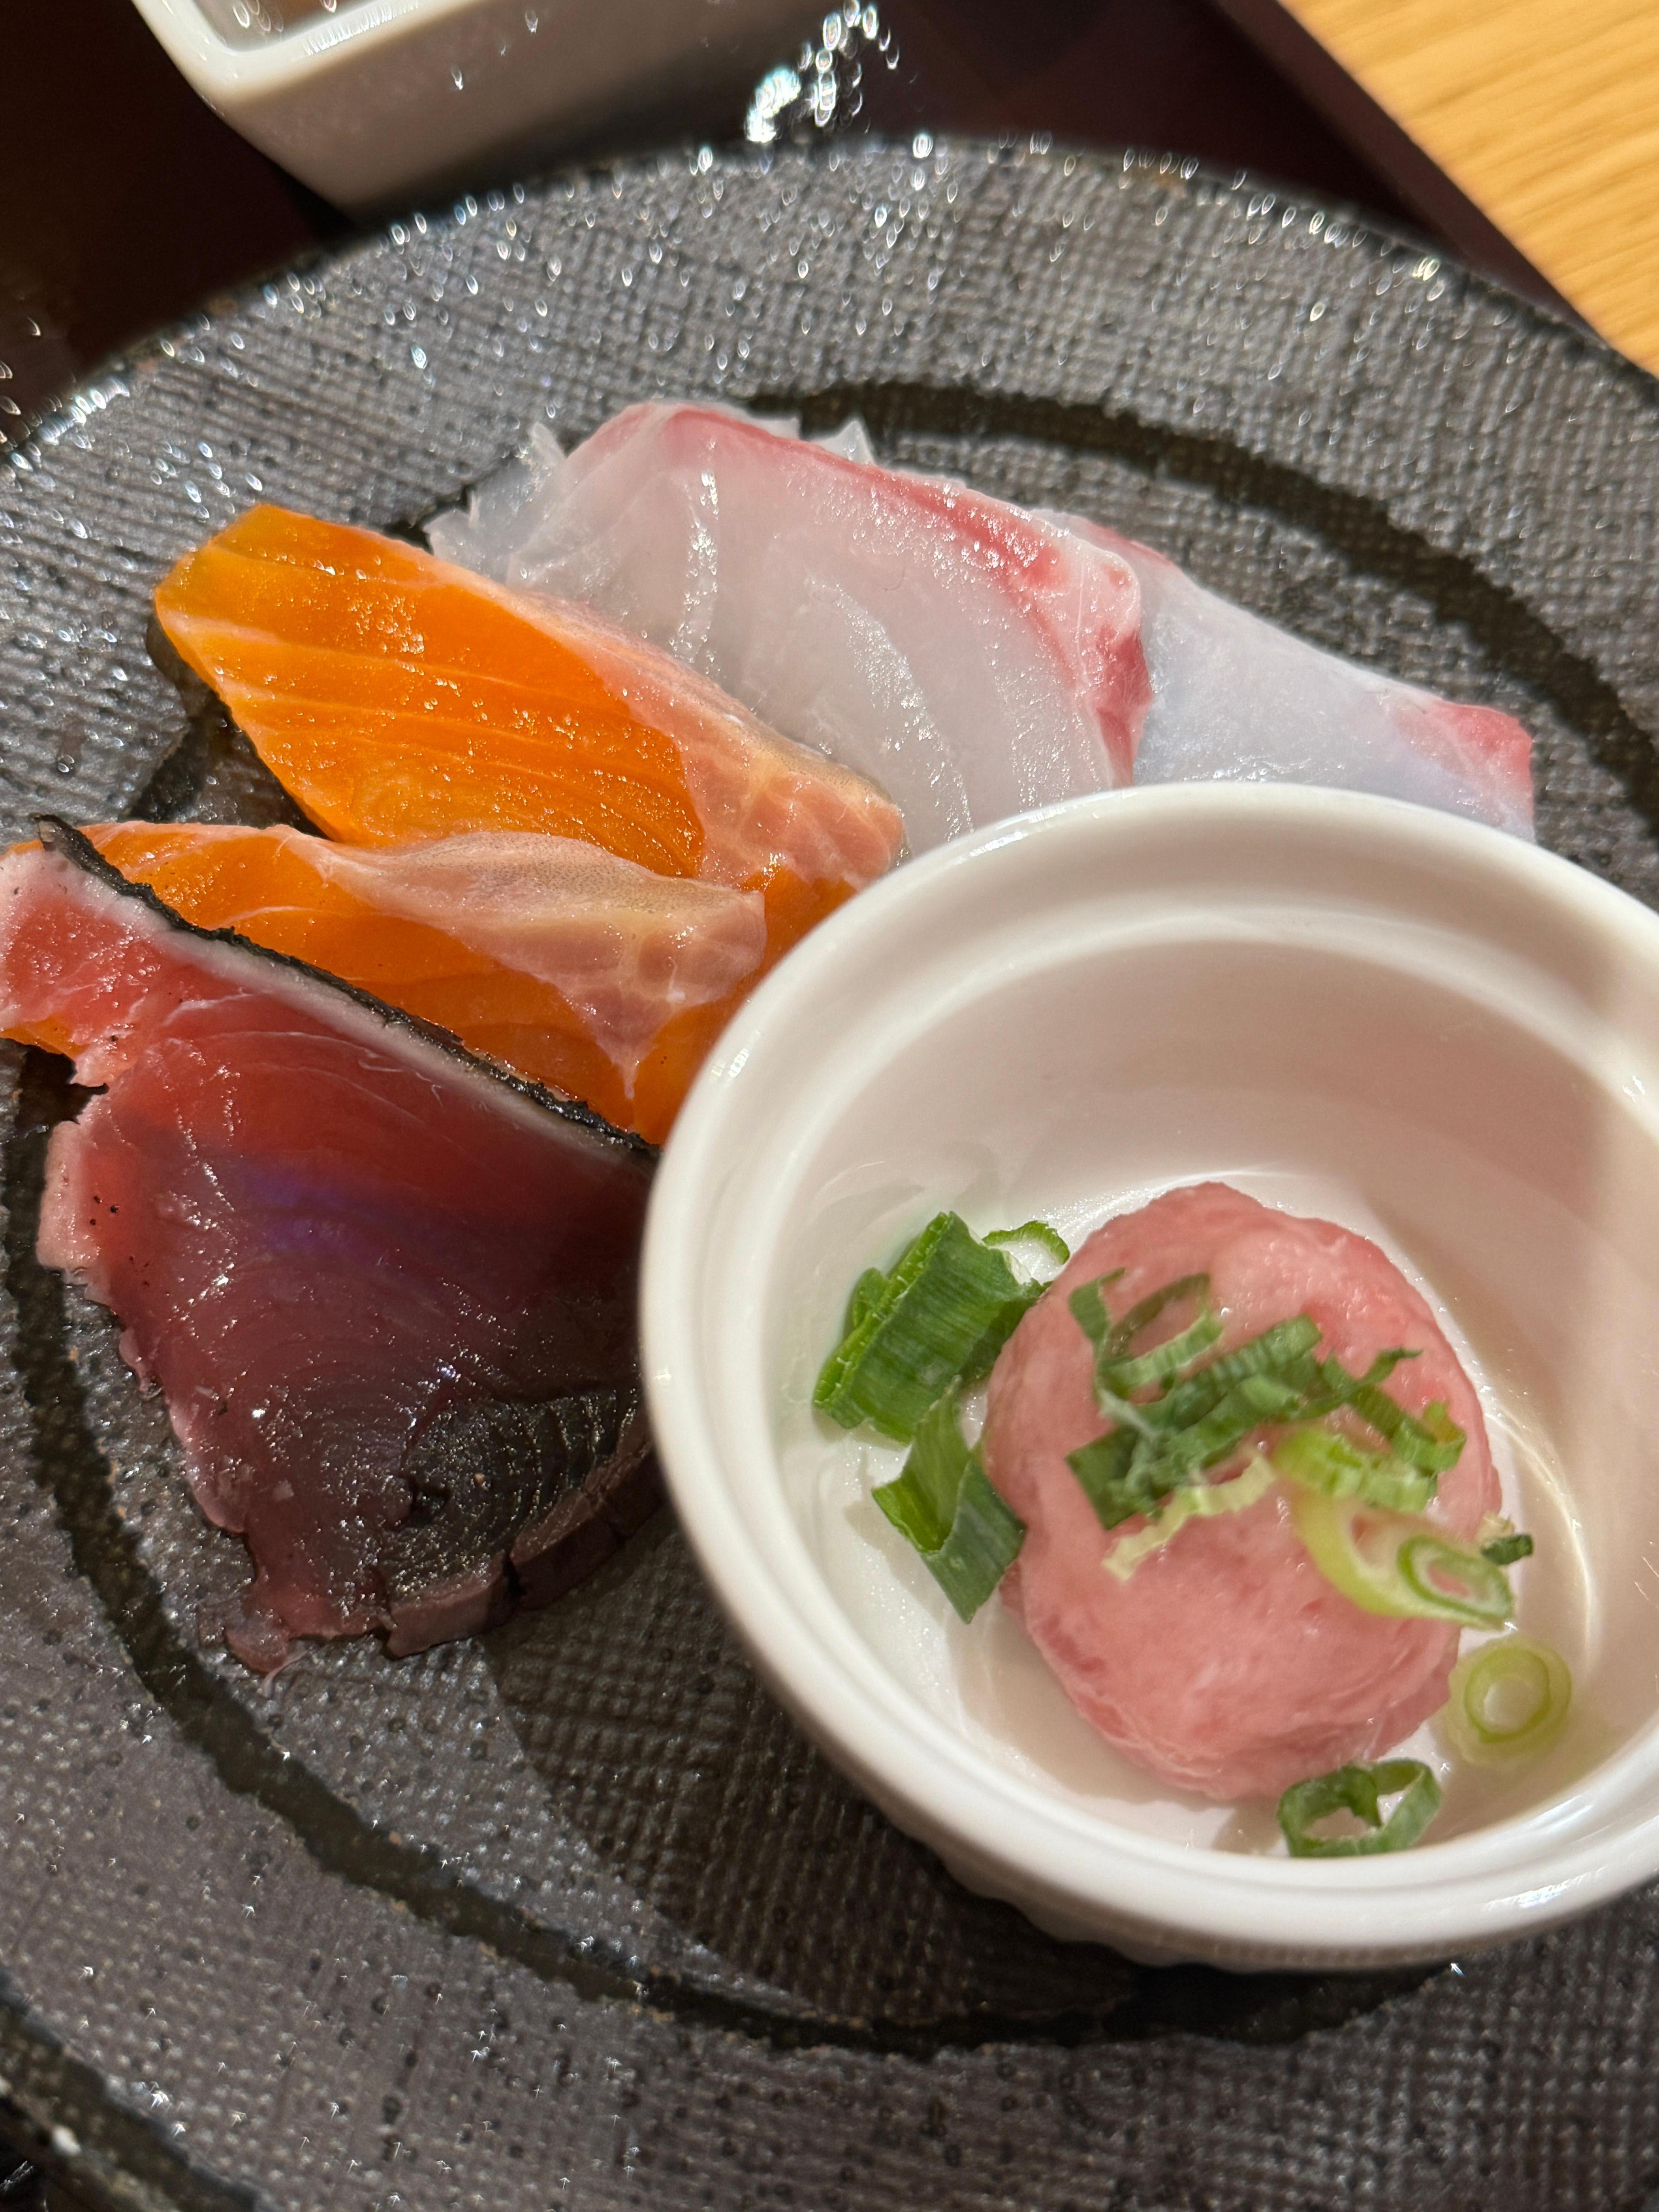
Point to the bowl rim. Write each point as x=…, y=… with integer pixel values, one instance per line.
x=1085, y=1866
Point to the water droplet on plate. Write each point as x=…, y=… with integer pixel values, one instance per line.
x=823, y=91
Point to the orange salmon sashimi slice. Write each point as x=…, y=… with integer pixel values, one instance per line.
x=399, y=699
x=569, y=965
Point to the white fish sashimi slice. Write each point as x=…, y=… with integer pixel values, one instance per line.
x=972, y=659
x=1236, y=698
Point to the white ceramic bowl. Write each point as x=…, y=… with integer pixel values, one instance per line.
x=1365, y=1010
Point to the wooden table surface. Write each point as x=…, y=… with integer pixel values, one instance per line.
x=1546, y=113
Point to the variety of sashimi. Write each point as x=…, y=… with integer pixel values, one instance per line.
x=387, y=1295
x=776, y=565
x=1226, y=1663
x=386, y=1290
x=399, y=699
x=971, y=657
x=1235, y=698
x=576, y=968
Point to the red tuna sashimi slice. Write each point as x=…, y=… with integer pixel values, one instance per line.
x=388, y=1295
x=971, y=659
x=1226, y=1663
x=1236, y=698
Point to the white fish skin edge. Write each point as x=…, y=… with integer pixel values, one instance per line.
x=971, y=658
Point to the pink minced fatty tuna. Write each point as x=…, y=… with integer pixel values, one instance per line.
x=1226, y=1664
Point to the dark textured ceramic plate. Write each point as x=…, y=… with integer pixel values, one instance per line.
x=572, y=1915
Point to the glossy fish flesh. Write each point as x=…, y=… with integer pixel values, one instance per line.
x=398, y=699
x=972, y=659
x=564, y=962
x=776, y=565
x=387, y=1294
x=1226, y=1664
x=1236, y=699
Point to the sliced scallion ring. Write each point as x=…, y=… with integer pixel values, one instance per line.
x=1359, y=1790
x=1362, y=1551
x=1509, y=1700
x=1466, y=1585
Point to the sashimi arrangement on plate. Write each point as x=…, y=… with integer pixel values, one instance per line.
x=374, y=1101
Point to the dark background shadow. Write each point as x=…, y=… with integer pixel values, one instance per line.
x=125, y=201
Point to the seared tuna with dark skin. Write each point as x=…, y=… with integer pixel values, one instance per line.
x=386, y=1291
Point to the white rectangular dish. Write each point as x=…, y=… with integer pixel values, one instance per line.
x=368, y=100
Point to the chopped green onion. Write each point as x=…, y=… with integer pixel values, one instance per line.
x=1124, y=1412
x=1102, y=1472
x=1510, y=1700
x=866, y=1296
x=1466, y=1586
x=1324, y=1460
x=1274, y=1353
x=941, y=1315
x=1252, y=1400
x=1117, y=1370
x=1089, y=1310
x=1198, y=1502
x=1043, y=1234
x=1143, y=1315
x=1331, y=1389
x=1133, y=1467
x=1359, y=1790
x=945, y=1503
x=1504, y=1551
x=1433, y=1444
x=1163, y=1363
x=1198, y=1416
x=1392, y=1564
